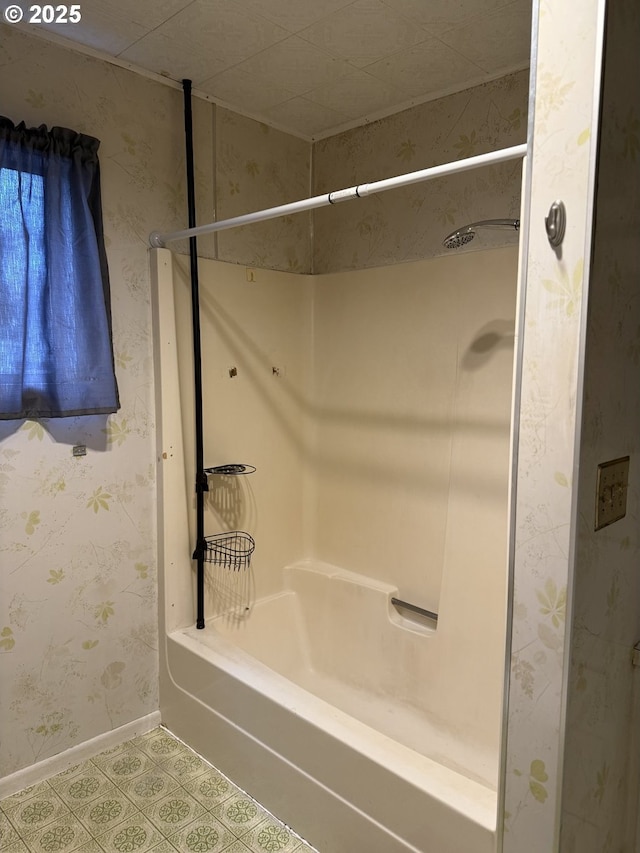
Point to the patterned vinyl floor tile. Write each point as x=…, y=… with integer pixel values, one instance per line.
x=136, y=833
x=36, y=812
x=87, y=785
x=150, y=795
x=270, y=834
x=65, y=833
x=106, y=811
x=205, y=833
x=239, y=814
x=210, y=789
x=149, y=787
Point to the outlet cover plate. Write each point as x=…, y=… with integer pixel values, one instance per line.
x=611, y=491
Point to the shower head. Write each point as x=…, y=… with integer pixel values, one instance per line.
x=466, y=234
x=459, y=238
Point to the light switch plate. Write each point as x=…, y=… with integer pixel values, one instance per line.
x=611, y=491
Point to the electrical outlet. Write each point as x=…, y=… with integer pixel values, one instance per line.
x=611, y=491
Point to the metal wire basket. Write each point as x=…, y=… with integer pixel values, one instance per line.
x=232, y=550
x=231, y=469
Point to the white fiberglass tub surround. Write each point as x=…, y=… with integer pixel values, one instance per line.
x=334, y=747
x=364, y=729
x=336, y=634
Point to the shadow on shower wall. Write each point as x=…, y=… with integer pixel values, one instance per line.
x=495, y=337
x=248, y=361
x=374, y=404
x=229, y=594
x=248, y=329
x=230, y=505
x=231, y=501
x=89, y=430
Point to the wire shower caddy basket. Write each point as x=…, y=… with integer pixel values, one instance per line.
x=230, y=470
x=231, y=550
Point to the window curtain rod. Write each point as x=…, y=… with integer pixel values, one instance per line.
x=159, y=241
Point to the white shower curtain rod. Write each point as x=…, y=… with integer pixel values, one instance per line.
x=159, y=241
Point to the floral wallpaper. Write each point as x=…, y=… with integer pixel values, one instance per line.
x=565, y=781
x=602, y=750
x=78, y=621
x=250, y=176
x=411, y=222
x=546, y=430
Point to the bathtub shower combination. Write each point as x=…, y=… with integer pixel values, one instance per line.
x=346, y=666
x=363, y=724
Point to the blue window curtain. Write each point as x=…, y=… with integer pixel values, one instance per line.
x=56, y=351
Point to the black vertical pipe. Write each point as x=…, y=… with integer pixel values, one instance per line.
x=201, y=477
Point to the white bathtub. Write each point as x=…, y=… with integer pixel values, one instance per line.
x=280, y=700
x=336, y=634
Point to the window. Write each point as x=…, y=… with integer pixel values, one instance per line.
x=56, y=353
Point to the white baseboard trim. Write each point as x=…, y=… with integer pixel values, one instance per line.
x=82, y=752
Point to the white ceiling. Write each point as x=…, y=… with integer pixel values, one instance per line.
x=311, y=67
